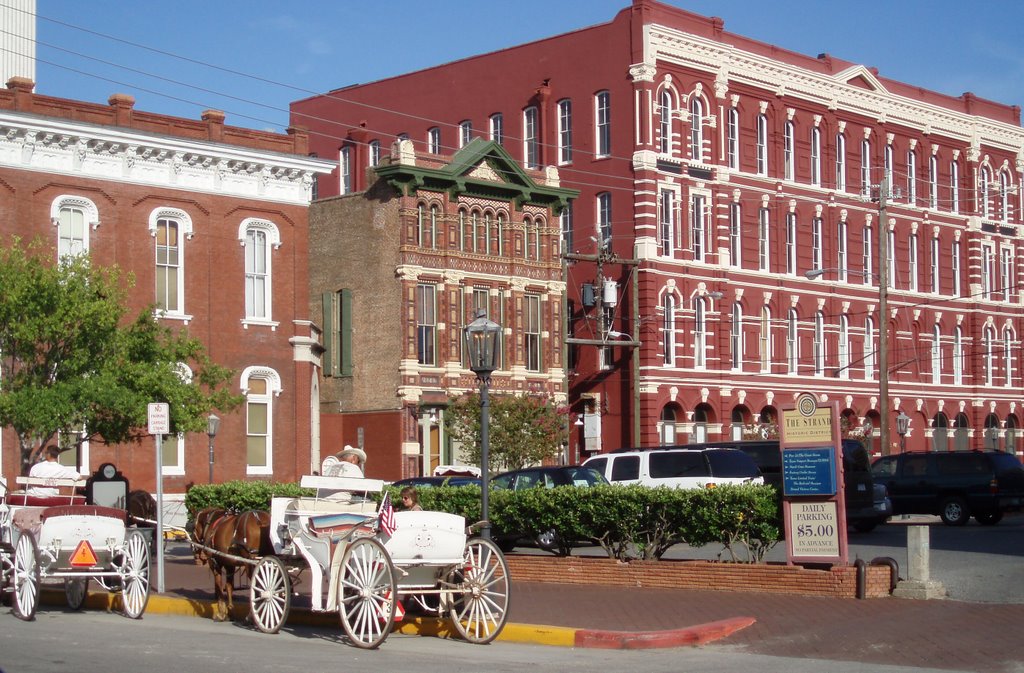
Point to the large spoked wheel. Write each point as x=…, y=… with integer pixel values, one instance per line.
x=75, y=589
x=366, y=593
x=479, y=605
x=135, y=576
x=26, y=578
x=269, y=595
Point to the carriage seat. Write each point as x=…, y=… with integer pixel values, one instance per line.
x=83, y=510
x=25, y=500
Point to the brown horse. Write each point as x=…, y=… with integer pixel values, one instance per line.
x=245, y=536
x=203, y=519
x=141, y=507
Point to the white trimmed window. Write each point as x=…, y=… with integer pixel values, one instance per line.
x=564, y=131
x=869, y=348
x=865, y=167
x=958, y=356
x=954, y=187
x=762, y=145
x=733, y=140
x=604, y=217
x=842, y=257
x=988, y=263
x=169, y=228
x=933, y=182
x=955, y=268
x=816, y=243
x=764, y=340
x=867, y=257
x=426, y=325
x=735, y=236
x=697, y=129
x=843, y=347
x=668, y=330
x=936, y=278
x=373, y=156
x=1007, y=357
x=172, y=447
x=791, y=243
x=496, y=124
x=840, y=162
x=565, y=220
x=984, y=205
x=531, y=156
x=911, y=177
x=465, y=132
x=736, y=337
x=434, y=140
x=258, y=238
x=936, y=354
x=788, y=160
x=665, y=122
x=1004, y=196
x=603, y=125
x=1006, y=272
x=532, y=332
x=792, y=342
x=700, y=333
x=763, y=240
x=816, y=157
x=345, y=170
x=698, y=227
x=887, y=158
x=988, y=340
x=74, y=217
x=819, y=343
x=667, y=221
x=260, y=385
x=912, y=263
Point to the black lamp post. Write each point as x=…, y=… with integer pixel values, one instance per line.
x=482, y=341
x=902, y=426
x=212, y=425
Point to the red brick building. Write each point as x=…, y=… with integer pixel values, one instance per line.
x=715, y=171
x=212, y=222
x=399, y=267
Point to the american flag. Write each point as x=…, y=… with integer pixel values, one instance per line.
x=386, y=515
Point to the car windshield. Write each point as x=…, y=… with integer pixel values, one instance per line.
x=584, y=476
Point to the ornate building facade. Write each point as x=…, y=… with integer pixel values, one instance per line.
x=715, y=172
x=211, y=220
x=399, y=268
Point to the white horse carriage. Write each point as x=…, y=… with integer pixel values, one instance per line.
x=362, y=571
x=72, y=539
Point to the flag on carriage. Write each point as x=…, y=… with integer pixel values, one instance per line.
x=386, y=515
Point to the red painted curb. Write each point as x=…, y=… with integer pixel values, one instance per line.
x=642, y=640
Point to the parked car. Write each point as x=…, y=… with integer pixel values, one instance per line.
x=430, y=482
x=867, y=503
x=955, y=485
x=542, y=477
x=689, y=466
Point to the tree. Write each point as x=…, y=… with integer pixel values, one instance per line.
x=524, y=429
x=72, y=362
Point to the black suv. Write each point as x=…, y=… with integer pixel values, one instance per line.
x=955, y=485
x=867, y=504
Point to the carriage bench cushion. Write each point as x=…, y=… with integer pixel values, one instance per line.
x=25, y=500
x=83, y=510
x=340, y=524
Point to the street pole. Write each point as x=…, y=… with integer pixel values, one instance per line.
x=485, y=420
x=883, y=309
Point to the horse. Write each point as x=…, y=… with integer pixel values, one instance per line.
x=203, y=520
x=141, y=509
x=246, y=536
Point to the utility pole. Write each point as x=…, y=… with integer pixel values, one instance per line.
x=883, y=308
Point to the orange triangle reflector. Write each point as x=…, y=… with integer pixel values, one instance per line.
x=84, y=556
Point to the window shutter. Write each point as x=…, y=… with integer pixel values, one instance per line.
x=344, y=333
x=330, y=336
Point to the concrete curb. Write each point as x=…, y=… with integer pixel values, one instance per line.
x=557, y=636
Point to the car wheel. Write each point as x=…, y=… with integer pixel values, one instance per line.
x=989, y=519
x=548, y=540
x=954, y=511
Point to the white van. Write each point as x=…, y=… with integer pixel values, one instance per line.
x=675, y=466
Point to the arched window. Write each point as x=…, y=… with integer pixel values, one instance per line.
x=844, y=347
x=74, y=217
x=696, y=129
x=988, y=344
x=433, y=226
x=961, y=432
x=668, y=305
x=788, y=160
x=936, y=354
x=792, y=342
x=940, y=432
x=991, y=439
x=665, y=122
x=869, y=348
x=739, y=418
x=983, y=186
x=865, y=167
x=819, y=343
x=527, y=226
x=840, y=162
x=260, y=385
x=258, y=238
x=736, y=337
x=815, y=157
x=764, y=340
x=531, y=141
x=954, y=186
x=701, y=417
x=1004, y=196
x=479, y=233
x=1010, y=445
x=169, y=227
x=1007, y=357
x=911, y=177
x=667, y=431
x=791, y=243
x=958, y=356
x=700, y=334
x=762, y=145
x=733, y=141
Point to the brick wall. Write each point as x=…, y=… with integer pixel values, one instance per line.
x=838, y=582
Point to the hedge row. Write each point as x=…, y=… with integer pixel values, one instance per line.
x=626, y=521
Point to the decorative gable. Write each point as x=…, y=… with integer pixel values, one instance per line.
x=860, y=77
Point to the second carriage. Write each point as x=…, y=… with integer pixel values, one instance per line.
x=362, y=570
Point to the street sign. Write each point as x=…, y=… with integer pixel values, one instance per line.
x=159, y=417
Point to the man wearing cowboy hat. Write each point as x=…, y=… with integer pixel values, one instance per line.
x=352, y=460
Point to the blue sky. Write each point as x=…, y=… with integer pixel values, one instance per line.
x=303, y=47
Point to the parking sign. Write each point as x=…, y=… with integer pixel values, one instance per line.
x=159, y=417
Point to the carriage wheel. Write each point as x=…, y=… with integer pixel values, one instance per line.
x=269, y=595
x=135, y=575
x=25, y=579
x=479, y=606
x=366, y=593
x=75, y=589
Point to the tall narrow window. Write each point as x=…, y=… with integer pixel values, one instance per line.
x=865, y=168
x=842, y=256
x=733, y=140
x=816, y=243
x=936, y=354
x=668, y=331
x=565, y=219
x=955, y=268
x=934, y=260
x=603, y=125
x=815, y=157
x=868, y=257
x=988, y=339
x=698, y=231
x=665, y=122
x=465, y=132
x=762, y=145
x=869, y=348
x=667, y=216
x=890, y=257
x=345, y=170
x=434, y=140
x=840, y=162
x=912, y=263
x=735, y=236
x=700, y=333
x=496, y=124
x=958, y=356
x=604, y=217
x=564, y=131
x=736, y=337
x=987, y=270
x=791, y=243
x=819, y=343
x=763, y=240
x=984, y=206
x=792, y=342
x=168, y=266
x=954, y=187
x=373, y=156
x=1006, y=273
x=764, y=340
x=911, y=177
x=426, y=325
x=257, y=272
x=788, y=159
x=1004, y=196
x=933, y=182
x=499, y=232
x=697, y=129
x=844, y=347
x=1007, y=357
x=888, y=166
x=260, y=385
x=531, y=332
x=531, y=156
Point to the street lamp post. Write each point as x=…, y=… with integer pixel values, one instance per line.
x=212, y=425
x=482, y=344
x=902, y=426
